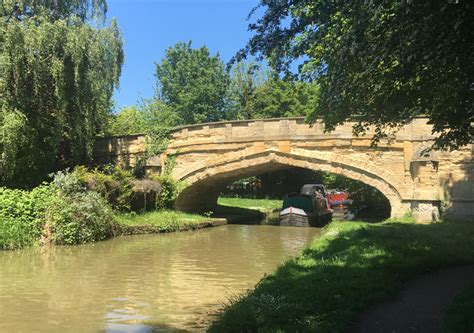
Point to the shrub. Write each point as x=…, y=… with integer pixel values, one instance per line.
x=14, y=235
x=77, y=215
x=169, y=191
x=112, y=183
x=22, y=215
x=120, y=189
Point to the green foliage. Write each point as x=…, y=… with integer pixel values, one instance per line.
x=64, y=212
x=169, y=191
x=57, y=76
x=14, y=235
x=279, y=98
x=60, y=9
x=256, y=94
x=351, y=267
x=12, y=138
x=22, y=215
x=169, y=165
x=76, y=215
x=377, y=62
x=111, y=182
x=245, y=78
x=127, y=121
x=192, y=83
x=152, y=118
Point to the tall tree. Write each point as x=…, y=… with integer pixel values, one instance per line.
x=57, y=77
x=53, y=9
x=245, y=79
x=193, y=83
x=285, y=98
x=150, y=115
x=378, y=62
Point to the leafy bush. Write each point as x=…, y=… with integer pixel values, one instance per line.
x=169, y=191
x=73, y=208
x=22, y=215
x=112, y=183
x=15, y=235
x=77, y=215
x=121, y=190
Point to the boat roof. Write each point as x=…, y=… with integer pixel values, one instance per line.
x=310, y=189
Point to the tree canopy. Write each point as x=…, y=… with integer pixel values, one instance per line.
x=193, y=83
x=53, y=9
x=148, y=116
x=57, y=77
x=245, y=79
x=279, y=98
x=379, y=63
x=256, y=93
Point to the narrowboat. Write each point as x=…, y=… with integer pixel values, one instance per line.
x=309, y=208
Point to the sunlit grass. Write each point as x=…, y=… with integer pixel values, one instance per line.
x=161, y=221
x=159, y=217
x=352, y=266
x=256, y=204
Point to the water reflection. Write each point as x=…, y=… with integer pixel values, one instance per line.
x=139, y=283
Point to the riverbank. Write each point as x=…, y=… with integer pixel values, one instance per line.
x=230, y=210
x=352, y=267
x=23, y=225
x=163, y=221
x=244, y=210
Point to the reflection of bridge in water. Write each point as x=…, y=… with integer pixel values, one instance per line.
x=210, y=156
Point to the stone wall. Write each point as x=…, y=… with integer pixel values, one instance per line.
x=210, y=156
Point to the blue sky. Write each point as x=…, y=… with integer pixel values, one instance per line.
x=151, y=26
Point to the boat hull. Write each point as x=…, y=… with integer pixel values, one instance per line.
x=295, y=217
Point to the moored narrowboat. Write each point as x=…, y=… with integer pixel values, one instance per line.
x=309, y=208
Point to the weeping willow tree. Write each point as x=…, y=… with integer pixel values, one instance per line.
x=59, y=65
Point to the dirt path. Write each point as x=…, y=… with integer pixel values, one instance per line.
x=420, y=305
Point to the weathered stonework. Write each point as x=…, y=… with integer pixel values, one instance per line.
x=210, y=156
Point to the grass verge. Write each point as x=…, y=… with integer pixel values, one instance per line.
x=459, y=316
x=263, y=205
x=352, y=266
x=246, y=211
x=160, y=221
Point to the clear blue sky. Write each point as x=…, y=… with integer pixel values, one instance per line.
x=151, y=26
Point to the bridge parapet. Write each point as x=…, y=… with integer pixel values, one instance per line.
x=287, y=129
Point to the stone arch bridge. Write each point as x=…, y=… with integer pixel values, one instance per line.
x=210, y=156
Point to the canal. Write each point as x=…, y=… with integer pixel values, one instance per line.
x=149, y=283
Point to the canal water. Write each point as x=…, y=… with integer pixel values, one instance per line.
x=149, y=283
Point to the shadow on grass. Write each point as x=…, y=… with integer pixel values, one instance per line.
x=353, y=266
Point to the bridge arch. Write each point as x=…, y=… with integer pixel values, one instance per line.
x=206, y=181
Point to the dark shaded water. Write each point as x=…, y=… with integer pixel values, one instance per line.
x=144, y=283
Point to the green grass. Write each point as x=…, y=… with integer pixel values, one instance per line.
x=351, y=267
x=161, y=221
x=263, y=205
x=459, y=316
